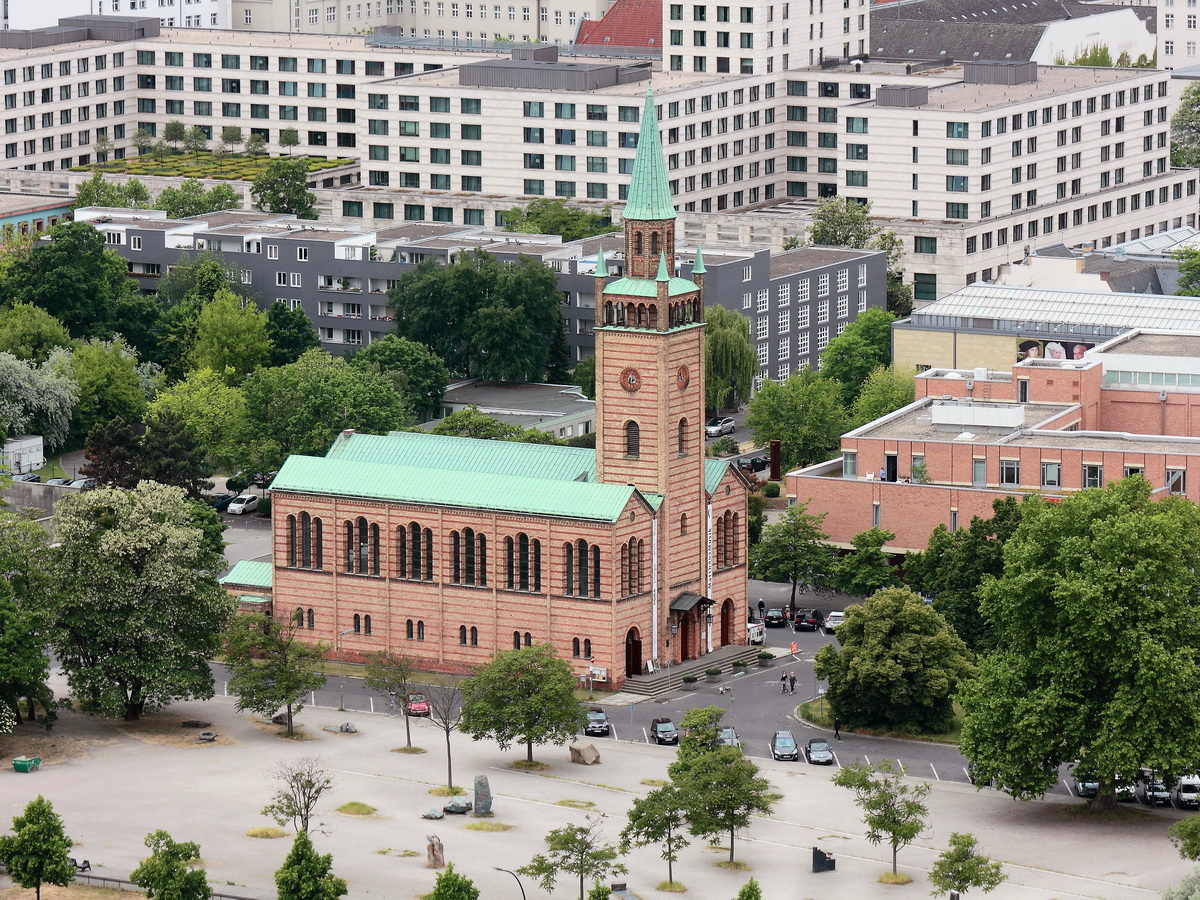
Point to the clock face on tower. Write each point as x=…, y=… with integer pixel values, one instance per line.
x=683, y=376
x=631, y=379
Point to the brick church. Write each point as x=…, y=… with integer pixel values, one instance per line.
x=449, y=549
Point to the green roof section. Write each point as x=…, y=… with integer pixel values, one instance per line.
x=649, y=192
x=714, y=471
x=662, y=268
x=463, y=489
x=601, y=265
x=446, y=453
x=643, y=287
x=698, y=265
x=250, y=573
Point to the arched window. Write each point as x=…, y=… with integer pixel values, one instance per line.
x=654, y=243
x=428, y=570
x=575, y=647
x=299, y=618
x=420, y=630
x=595, y=571
x=456, y=556
x=641, y=566
x=537, y=565
x=474, y=636
x=683, y=429
x=374, y=548
x=357, y=623
x=482, y=576
x=306, y=540
x=366, y=624
x=291, y=540
x=349, y=563
x=683, y=524
x=637, y=242
x=402, y=552
x=408, y=629
x=581, y=561
x=468, y=539
x=462, y=635
x=587, y=647
x=720, y=541
x=528, y=640
x=736, y=539
x=318, y=544
x=569, y=568
x=625, y=572
x=363, y=548
x=312, y=620
x=510, y=564
x=523, y=561
x=633, y=439
x=516, y=640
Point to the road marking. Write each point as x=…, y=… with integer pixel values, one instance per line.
x=837, y=762
x=645, y=735
x=868, y=759
x=967, y=773
x=935, y=774
x=614, y=733
x=1068, y=787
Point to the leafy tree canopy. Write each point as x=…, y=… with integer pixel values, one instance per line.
x=282, y=187
x=270, y=667
x=24, y=623
x=730, y=363
x=1189, y=263
x=414, y=369
x=793, y=550
x=29, y=333
x=659, y=818
x=961, y=868
x=584, y=375
x=231, y=338
x=574, y=850
x=451, y=885
x=867, y=569
x=1102, y=562
x=1188, y=888
x=167, y=873
x=1185, y=132
x=307, y=875
x=213, y=412
x=804, y=413
x=191, y=198
x=106, y=374
x=864, y=345
x=898, y=666
x=36, y=853
x=893, y=810
x=523, y=696
x=100, y=191
x=37, y=399
x=291, y=334
x=885, y=390
x=721, y=791
x=556, y=217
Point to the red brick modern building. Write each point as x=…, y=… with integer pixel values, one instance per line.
x=1052, y=427
x=450, y=549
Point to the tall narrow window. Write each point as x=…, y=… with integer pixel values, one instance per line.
x=357, y=623
x=581, y=549
x=575, y=647
x=366, y=624
x=595, y=571
x=306, y=540
x=462, y=635
x=523, y=561
x=291, y=540
x=474, y=636
x=312, y=620
x=510, y=563
x=587, y=647
x=683, y=429
x=299, y=618
x=468, y=539
x=633, y=439
x=569, y=568
x=516, y=640
x=537, y=565
x=420, y=630
x=408, y=629
x=318, y=544
x=456, y=556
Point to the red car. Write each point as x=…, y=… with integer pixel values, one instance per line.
x=417, y=705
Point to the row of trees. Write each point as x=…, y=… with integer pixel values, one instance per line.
x=191, y=198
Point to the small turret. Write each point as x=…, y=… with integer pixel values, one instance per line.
x=698, y=273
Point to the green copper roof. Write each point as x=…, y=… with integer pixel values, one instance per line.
x=662, y=268
x=462, y=489
x=698, y=265
x=714, y=471
x=250, y=573
x=601, y=266
x=641, y=287
x=649, y=193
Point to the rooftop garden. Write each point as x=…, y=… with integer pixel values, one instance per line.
x=202, y=164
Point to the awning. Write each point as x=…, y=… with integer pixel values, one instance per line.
x=686, y=602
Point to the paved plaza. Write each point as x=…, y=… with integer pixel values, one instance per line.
x=212, y=794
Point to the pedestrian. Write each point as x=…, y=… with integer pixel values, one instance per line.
x=792, y=681
x=783, y=683
x=837, y=728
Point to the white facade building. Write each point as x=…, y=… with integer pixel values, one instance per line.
x=27, y=14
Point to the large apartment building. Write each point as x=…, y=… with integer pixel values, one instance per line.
x=969, y=164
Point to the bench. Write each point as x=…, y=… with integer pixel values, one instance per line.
x=26, y=763
x=85, y=866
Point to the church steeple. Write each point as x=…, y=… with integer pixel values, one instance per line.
x=649, y=213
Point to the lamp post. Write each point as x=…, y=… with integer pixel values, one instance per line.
x=709, y=621
x=514, y=875
x=672, y=628
x=338, y=650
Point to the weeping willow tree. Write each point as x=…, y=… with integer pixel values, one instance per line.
x=729, y=360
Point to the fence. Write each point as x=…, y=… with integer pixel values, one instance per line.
x=121, y=884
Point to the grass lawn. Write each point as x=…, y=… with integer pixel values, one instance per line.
x=818, y=712
x=228, y=166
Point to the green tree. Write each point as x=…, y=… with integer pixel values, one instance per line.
x=307, y=875
x=1186, y=889
x=885, y=390
x=214, y=413
x=191, y=198
x=291, y=334
x=804, y=413
x=24, y=622
x=446, y=712
x=794, y=549
x=29, y=333
x=99, y=191
x=867, y=569
x=256, y=145
x=106, y=375
x=547, y=216
x=574, y=850
x=138, y=609
x=472, y=423
x=36, y=853
x=658, y=818
x=114, y=454
x=730, y=363
x=721, y=791
x=168, y=872
x=482, y=317
x=701, y=728
x=750, y=891
x=524, y=696
x=898, y=667
x=864, y=345
x=391, y=674
x=1053, y=690
x=584, y=375
x=195, y=141
x=961, y=868
x=197, y=278
x=451, y=885
x=1185, y=835
x=288, y=139
x=302, y=407
x=1189, y=264
x=232, y=135
x=172, y=455
x=270, y=667
x=302, y=784
x=142, y=140
x=841, y=222
x=174, y=132
x=412, y=367
x=103, y=145
x=892, y=810
x=38, y=399
x=231, y=338
x=282, y=187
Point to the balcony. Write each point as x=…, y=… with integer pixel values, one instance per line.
x=332, y=283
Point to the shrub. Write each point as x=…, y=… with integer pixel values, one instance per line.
x=715, y=670
x=689, y=679
x=772, y=489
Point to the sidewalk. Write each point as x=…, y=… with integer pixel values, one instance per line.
x=213, y=793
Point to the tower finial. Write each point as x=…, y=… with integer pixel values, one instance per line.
x=649, y=190
x=698, y=265
x=601, y=265
x=662, y=268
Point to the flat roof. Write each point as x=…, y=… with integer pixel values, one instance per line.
x=916, y=423
x=792, y=262
x=14, y=204
x=1156, y=345
x=542, y=400
x=1108, y=442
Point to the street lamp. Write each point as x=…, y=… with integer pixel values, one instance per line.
x=673, y=628
x=338, y=648
x=709, y=620
x=514, y=875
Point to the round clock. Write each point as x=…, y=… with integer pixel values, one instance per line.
x=683, y=376
x=631, y=379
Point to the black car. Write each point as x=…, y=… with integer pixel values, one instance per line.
x=30, y=477
x=783, y=746
x=753, y=463
x=775, y=618
x=597, y=722
x=807, y=620
x=663, y=731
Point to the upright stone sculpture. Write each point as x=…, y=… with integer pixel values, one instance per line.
x=483, y=797
x=436, y=856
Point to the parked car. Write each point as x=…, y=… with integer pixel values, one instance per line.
x=416, y=705
x=83, y=483
x=784, y=746
x=717, y=426
x=663, y=731
x=1187, y=792
x=30, y=477
x=597, y=722
x=1157, y=793
x=728, y=737
x=833, y=620
x=818, y=752
x=245, y=503
x=221, y=502
x=1086, y=788
x=775, y=618
x=59, y=481
x=1123, y=790
x=754, y=463
x=806, y=620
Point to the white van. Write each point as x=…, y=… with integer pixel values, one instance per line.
x=1187, y=792
x=756, y=633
